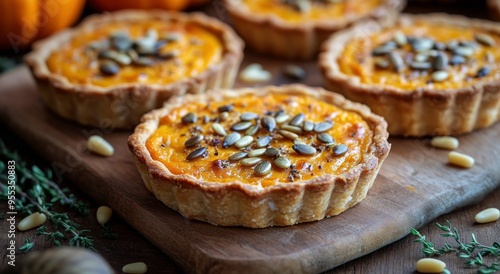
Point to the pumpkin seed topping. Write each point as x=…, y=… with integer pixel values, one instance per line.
x=262, y=168
x=250, y=161
x=189, y=118
x=197, y=153
x=282, y=162
x=238, y=156
x=304, y=149
x=426, y=57
x=231, y=139
x=196, y=139
x=340, y=149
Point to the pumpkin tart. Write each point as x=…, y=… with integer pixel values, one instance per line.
x=295, y=29
x=114, y=67
x=260, y=157
x=432, y=74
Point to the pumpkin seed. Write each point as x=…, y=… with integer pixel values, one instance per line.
x=248, y=116
x=308, y=126
x=264, y=141
x=252, y=130
x=302, y=6
x=250, y=161
x=256, y=152
x=238, y=156
x=120, y=58
x=272, y=152
x=304, y=149
x=325, y=138
x=440, y=75
x=121, y=42
x=297, y=120
x=189, y=118
x=231, y=139
x=262, y=168
x=400, y=38
x=457, y=60
x=469, y=44
x=288, y=134
x=463, y=51
x=281, y=118
x=441, y=61
x=384, y=49
x=268, y=123
x=99, y=45
x=299, y=142
x=171, y=36
x=396, y=61
x=294, y=72
x=219, y=129
x=244, y=141
x=322, y=126
x=282, y=162
x=482, y=72
x=485, y=39
x=109, y=68
x=226, y=108
x=340, y=149
x=241, y=126
x=196, y=153
x=293, y=129
x=196, y=139
x=420, y=65
x=422, y=44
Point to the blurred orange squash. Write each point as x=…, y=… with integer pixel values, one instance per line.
x=22, y=22
x=107, y=5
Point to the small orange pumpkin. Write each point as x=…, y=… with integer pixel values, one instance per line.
x=106, y=5
x=23, y=22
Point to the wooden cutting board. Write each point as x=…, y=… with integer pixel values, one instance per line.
x=415, y=185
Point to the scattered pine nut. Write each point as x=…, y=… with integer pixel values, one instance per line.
x=460, y=159
x=100, y=146
x=445, y=142
x=255, y=73
x=34, y=220
x=488, y=215
x=430, y=265
x=136, y=268
x=103, y=214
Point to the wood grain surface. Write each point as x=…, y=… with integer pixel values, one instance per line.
x=415, y=185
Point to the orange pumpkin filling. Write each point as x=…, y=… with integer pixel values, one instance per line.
x=349, y=130
x=192, y=51
x=469, y=56
x=315, y=11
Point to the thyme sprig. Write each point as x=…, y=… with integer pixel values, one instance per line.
x=472, y=252
x=36, y=191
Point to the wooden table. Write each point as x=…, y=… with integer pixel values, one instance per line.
x=399, y=257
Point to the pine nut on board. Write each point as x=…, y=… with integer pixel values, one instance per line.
x=445, y=142
x=103, y=214
x=430, y=265
x=460, y=159
x=488, y=215
x=136, y=268
x=34, y=220
x=98, y=145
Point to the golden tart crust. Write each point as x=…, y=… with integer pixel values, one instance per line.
x=471, y=101
x=239, y=198
x=121, y=103
x=299, y=38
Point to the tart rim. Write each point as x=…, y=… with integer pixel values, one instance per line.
x=156, y=171
x=57, y=87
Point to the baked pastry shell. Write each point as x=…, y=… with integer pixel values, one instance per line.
x=273, y=36
x=240, y=204
x=121, y=106
x=421, y=112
